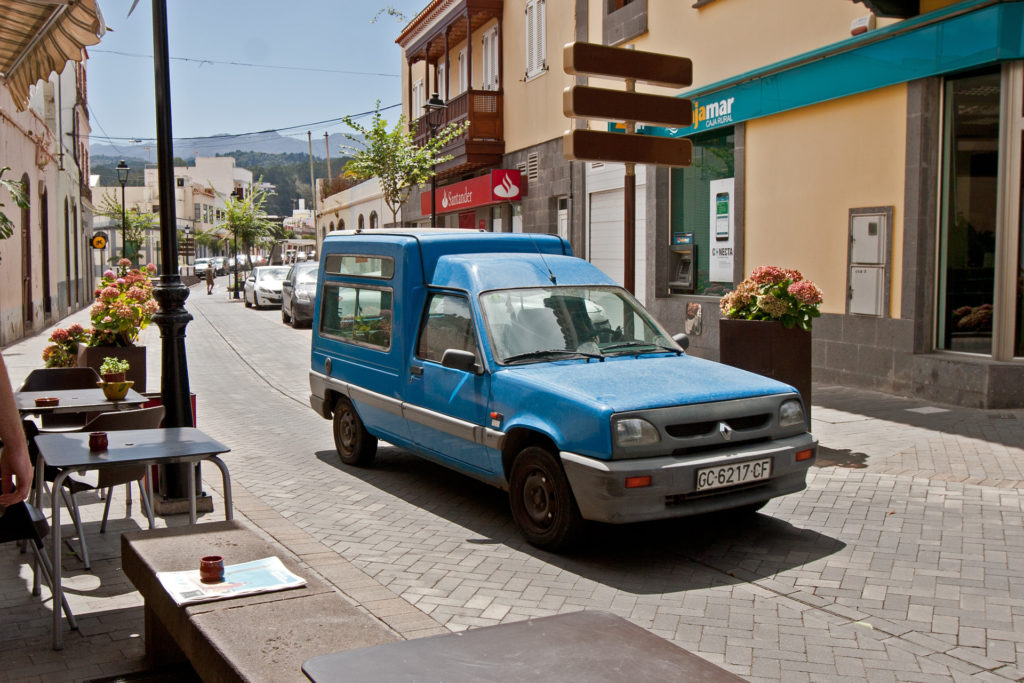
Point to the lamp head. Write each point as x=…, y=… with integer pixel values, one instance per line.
x=122, y=172
x=435, y=107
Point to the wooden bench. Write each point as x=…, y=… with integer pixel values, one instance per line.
x=263, y=637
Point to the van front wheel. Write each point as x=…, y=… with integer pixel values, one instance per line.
x=355, y=445
x=542, y=503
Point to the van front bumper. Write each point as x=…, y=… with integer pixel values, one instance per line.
x=599, y=486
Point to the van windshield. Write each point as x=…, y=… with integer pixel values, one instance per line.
x=551, y=323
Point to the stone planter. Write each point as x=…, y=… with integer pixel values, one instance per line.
x=92, y=357
x=769, y=349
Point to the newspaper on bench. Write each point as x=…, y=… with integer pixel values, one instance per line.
x=247, y=578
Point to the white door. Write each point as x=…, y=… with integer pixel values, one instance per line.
x=605, y=237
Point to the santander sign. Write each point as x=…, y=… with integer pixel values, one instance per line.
x=500, y=185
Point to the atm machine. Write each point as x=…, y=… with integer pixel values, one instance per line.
x=683, y=276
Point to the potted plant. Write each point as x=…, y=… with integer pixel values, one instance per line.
x=114, y=369
x=123, y=308
x=766, y=326
x=64, y=344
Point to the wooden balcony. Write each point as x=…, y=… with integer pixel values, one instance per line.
x=483, y=144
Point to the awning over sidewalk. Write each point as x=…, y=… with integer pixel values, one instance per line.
x=38, y=37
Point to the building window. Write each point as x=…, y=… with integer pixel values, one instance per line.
x=968, y=221
x=373, y=220
x=197, y=212
x=416, y=110
x=442, y=81
x=536, y=38
x=463, y=72
x=714, y=158
x=361, y=224
x=490, y=59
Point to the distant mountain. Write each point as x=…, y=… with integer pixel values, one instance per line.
x=189, y=148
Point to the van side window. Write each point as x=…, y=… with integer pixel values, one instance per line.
x=381, y=267
x=448, y=325
x=357, y=314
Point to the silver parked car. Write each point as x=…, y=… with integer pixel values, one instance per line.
x=298, y=294
x=263, y=286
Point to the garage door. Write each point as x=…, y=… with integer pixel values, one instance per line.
x=605, y=237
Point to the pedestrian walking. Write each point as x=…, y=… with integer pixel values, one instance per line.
x=209, y=279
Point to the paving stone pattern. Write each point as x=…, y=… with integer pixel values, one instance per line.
x=903, y=560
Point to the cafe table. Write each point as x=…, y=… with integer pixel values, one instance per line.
x=69, y=451
x=75, y=401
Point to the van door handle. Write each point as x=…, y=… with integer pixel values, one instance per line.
x=416, y=370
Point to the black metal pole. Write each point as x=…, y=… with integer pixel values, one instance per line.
x=234, y=240
x=433, y=182
x=170, y=292
x=124, y=224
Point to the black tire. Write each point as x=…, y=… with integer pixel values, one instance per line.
x=245, y=299
x=354, y=444
x=285, y=318
x=255, y=300
x=542, y=503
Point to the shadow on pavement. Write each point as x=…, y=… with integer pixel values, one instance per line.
x=1005, y=426
x=644, y=558
x=840, y=457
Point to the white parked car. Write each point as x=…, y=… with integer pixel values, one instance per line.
x=263, y=286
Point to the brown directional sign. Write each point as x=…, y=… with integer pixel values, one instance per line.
x=619, y=105
x=596, y=145
x=591, y=59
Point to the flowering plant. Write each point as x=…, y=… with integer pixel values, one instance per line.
x=772, y=293
x=63, y=349
x=124, y=305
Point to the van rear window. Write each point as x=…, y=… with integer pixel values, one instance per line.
x=382, y=267
x=357, y=314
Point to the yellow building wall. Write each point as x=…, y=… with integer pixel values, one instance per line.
x=533, y=109
x=806, y=169
x=932, y=5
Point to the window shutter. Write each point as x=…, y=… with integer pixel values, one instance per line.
x=531, y=9
x=541, y=58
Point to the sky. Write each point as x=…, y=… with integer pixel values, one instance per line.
x=338, y=61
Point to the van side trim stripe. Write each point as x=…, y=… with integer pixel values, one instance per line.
x=484, y=436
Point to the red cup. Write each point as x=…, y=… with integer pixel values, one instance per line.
x=211, y=569
x=97, y=441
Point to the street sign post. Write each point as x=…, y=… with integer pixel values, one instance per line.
x=630, y=107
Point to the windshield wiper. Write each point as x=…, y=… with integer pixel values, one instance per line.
x=550, y=353
x=635, y=344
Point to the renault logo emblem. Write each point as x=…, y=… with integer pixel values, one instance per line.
x=725, y=430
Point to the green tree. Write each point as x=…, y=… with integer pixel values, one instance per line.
x=138, y=225
x=17, y=191
x=246, y=221
x=391, y=156
x=209, y=239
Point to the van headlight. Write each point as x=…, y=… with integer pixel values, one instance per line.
x=791, y=414
x=635, y=432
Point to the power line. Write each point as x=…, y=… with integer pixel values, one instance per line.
x=92, y=116
x=225, y=136
x=201, y=62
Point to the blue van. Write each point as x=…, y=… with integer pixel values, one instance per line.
x=505, y=358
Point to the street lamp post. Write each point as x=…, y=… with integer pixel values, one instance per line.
x=122, y=177
x=435, y=107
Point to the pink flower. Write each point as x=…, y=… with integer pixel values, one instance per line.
x=75, y=329
x=109, y=274
x=59, y=335
x=97, y=309
x=124, y=262
x=110, y=292
x=150, y=267
x=806, y=292
x=107, y=319
x=768, y=275
x=121, y=281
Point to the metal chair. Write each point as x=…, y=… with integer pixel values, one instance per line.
x=107, y=479
x=23, y=522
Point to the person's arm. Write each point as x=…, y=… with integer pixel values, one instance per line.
x=15, y=465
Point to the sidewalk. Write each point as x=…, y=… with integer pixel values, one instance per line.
x=857, y=429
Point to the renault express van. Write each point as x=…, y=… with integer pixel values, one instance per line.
x=507, y=359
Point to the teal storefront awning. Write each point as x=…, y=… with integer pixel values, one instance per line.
x=967, y=35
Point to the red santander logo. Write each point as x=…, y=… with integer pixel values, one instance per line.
x=506, y=183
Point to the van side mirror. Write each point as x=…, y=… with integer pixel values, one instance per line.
x=682, y=339
x=460, y=360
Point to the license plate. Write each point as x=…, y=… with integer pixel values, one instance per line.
x=731, y=475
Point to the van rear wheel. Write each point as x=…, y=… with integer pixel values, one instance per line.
x=355, y=445
x=542, y=503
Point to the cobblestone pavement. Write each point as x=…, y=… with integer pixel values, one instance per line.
x=901, y=561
